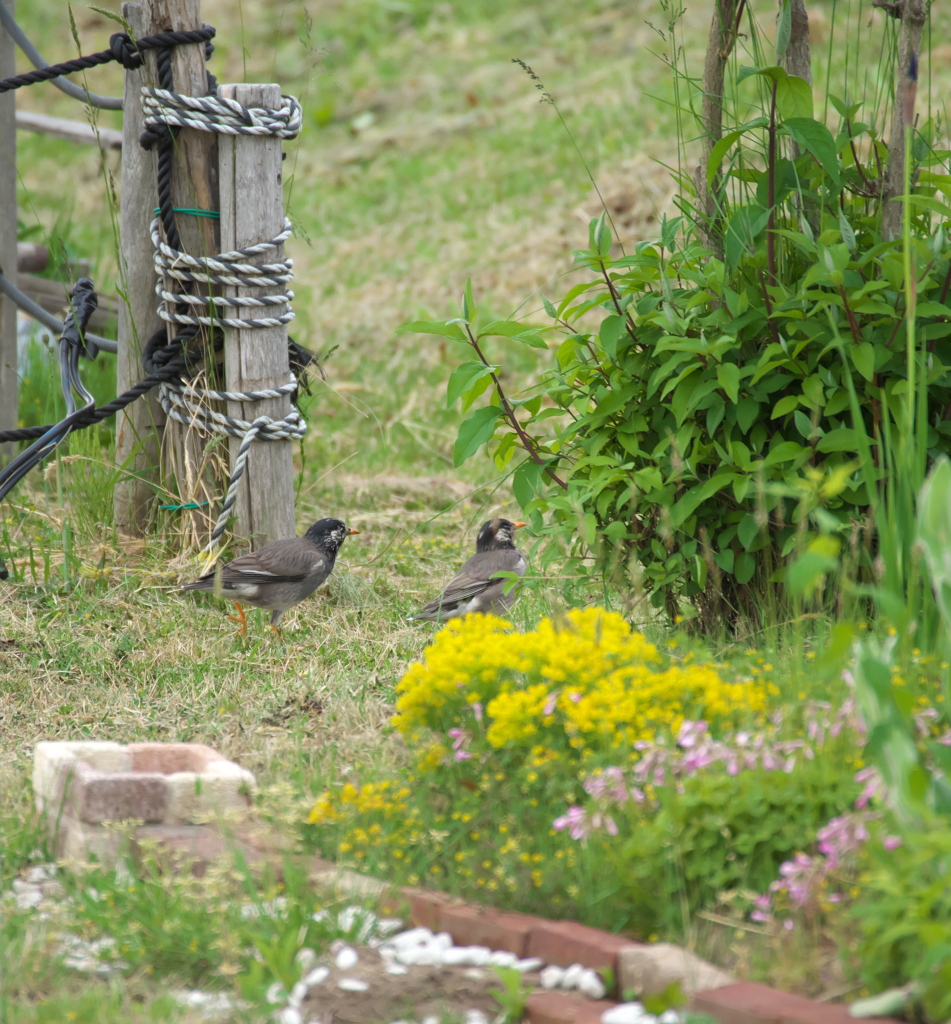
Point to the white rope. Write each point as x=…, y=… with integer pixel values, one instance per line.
x=186, y=403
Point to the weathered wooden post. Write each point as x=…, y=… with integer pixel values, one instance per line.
x=139, y=424
x=252, y=211
x=8, y=238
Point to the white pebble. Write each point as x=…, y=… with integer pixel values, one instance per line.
x=591, y=985
x=531, y=963
x=475, y=973
x=572, y=976
x=298, y=992
x=414, y=937
x=669, y=1017
x=503, y=958
x=353, y=985
x=346, y=958
x=442, y=941
x=275, y=994
x=624, y=1013
x=431, y=1019
x=479, y=956
x=306, y=957
x=551, y=976
x=395, y=969
x=388, y=925
x=476, y=1017
x=316, y=976
x=456, y=955
x=289, y=1015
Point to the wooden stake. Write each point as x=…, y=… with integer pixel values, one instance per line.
x=252, y=211
x=719, y=45
x=913, y=15
x=139, y=425
x=8, y=240
x=194, y=185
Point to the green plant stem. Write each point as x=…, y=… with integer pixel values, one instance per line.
x=771, y=191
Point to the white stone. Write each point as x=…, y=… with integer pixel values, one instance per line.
x=669, y=1017
x=530, y=963
x=591, y=985
x=648, y=970
x=503, y=958
x=346, y=958
x=441, y=941
x=275, y=994
x=316, y=976
x=413, y=937
x=388, y=925
x=395, y=969
x=456, y=955
x=572, y=976
x=353, y=985
x=624, y=1013
x=289, y=1015
x=551, y=976
x=298, y=992
x=475, y=1017
x=479, y=956
x=306, y=958
x=431, y=1019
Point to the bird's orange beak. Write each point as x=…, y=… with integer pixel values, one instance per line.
x=352, y=530
x=519, y=525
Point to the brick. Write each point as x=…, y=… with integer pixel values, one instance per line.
x=750, y=1003
x=171, y=757
x=197, y=846
x=48, y=755
x=562, y=1008
x=196, y=797
x=95, y=797
x=565, y=943
x=425, y=907
x=482, y=926
x=648, y=970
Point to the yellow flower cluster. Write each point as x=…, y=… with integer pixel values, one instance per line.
x=585, y=681
x=351, y=800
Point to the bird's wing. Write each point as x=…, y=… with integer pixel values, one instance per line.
x=477, y=575
x=290, y=561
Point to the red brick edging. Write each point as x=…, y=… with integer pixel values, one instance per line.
x=565, y=942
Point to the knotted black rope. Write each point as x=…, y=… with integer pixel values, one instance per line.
x=122, y=48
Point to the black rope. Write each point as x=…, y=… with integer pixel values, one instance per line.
x=122, y=48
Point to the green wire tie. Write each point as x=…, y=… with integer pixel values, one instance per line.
x=184, y=508
x=212, y=214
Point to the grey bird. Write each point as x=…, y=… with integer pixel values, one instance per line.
x=281, y=574
x=474, y=589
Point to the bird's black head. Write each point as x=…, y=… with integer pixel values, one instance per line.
x=329, y=534
x=497, y=534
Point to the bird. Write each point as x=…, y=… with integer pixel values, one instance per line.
x=474, y=589
x=280, y=574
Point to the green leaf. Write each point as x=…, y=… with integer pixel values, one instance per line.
x=748, y=531
x=783, y=29
x=469, y=310
x=610, y=333
x=463, y=378
x=728, y=375
x=475, y=432
x=549, y=308
x=863, y=356
x=745, y=224
x=785, y=451
x=848, y=235
x=813, y=136
x=525, y=481
x=784, y=406
x=699, y=493
x=747, y=411
x=793, y=97
x=444, y=330
x=744, y=568
x=841, y=439
x=513, y=329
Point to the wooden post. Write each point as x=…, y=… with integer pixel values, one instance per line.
x=8, y=240
x=194, y=185
x=139, y=424
x=252, y=211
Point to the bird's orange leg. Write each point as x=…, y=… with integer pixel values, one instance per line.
x=276, y=630
x=240, y=618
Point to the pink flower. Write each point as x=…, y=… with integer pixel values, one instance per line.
x=575, y=819
x=459, y=740
x=477, y=710
x=551, y=702
x=789, y=924
x=891, y=842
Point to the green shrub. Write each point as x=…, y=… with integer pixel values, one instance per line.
x=704, y=413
